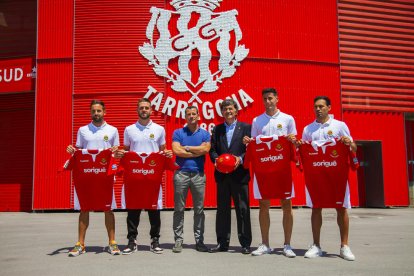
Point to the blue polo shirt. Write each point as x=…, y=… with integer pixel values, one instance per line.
x=187, y=138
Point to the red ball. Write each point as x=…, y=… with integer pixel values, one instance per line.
x=226, y=163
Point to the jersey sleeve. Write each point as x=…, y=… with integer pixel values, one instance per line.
x=248, y=157
x=69, y=164
x=113, y=166
x=292, y=126
x=353, y=160
x=170, y=164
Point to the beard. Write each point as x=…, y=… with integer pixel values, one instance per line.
x=144, y=116
x=97, y=119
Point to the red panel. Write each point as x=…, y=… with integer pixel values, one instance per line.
x=17, y=28
x=55, y=29
x=376, y=52
x=389, y=129
x=16, y=75
x=51, y=188
x=53, y=133
x=16, y=164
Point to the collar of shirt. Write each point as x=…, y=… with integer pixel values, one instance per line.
x=186, y=129
x=98, y=128
x=327, y=123
x=232, y=126
x=141, y=126
x=274, y=116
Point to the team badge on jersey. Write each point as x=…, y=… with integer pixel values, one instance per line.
x=330, y=133
x=103, y=161
x=334, y=154
x=152, y=163
x=279, y=126
x=279, y=147
x=152, y=136
x=106, y=138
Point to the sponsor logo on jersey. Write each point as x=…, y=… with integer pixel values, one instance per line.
x=134, y=161
x=334, y=154
x=279, y=126
x=143, y=171
x=325, y=164
x=272, y=158
x=103, y=161
x=152, y=136
x=84, y=161
x=114, y=167
x=313, y=153
x=152, y=163
x=260, y=149
x=94, y=170
x=106, y=138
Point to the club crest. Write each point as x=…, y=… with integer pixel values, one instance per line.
x=182, y=54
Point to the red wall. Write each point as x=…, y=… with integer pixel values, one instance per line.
x=389, y=129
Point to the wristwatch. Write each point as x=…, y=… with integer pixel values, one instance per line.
x=187, y=149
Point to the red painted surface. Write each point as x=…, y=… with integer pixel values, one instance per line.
x=53, y=121
x=16, y=75
x=385, y=127
x=16, y=164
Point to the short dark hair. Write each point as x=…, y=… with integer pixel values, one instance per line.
x=143, y=100
x=228, y=102
x=269, y=90
x=191, y=107
x=93, y=102
x=325, y=98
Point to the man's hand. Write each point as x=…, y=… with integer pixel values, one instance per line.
x=247, y=139
x=70, y=149
x=168, y=153
x=119, y=153
x=237, y=161
x=114, y=148
x=292, y=138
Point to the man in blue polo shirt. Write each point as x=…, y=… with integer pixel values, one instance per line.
x=190, y=144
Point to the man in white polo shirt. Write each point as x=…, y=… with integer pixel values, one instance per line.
x=144, y=136
x=96, y=135
x=274, y=122
x=325, y=128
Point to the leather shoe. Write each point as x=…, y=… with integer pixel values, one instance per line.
x=201, y=247
x=246, y=250
x=219, y=248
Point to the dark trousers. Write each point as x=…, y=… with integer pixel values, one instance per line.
x=226, y=190
x=133, y=222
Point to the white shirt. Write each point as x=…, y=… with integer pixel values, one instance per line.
x=146, y=139
x=279, y=124
x=93, y=137
x=332, y=129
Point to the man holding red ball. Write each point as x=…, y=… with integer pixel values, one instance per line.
x=228, y=138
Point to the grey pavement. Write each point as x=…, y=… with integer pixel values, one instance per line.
x=37, y=244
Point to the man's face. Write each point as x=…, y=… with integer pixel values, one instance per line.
x=144, y=110
x=229, y=112
x=191, y=116
x=270, y=101
x=321, y=109
x=97, y=113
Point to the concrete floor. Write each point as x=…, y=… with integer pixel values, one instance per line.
x=37, y=244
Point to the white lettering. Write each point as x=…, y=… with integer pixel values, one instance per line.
x=94, y=170
x=245, y=98
x=10, y=75
x=181, y=106
x=208, y=112
x=168, y=106
x=272, y=158
x=218, y=108
x=143, y=172
x=151, y=90
x=18, y=74
x=325, y=164
x=157, y=101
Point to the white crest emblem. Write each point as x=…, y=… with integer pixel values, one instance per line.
x=198, y=26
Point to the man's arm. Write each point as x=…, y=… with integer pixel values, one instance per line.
x=213, y=152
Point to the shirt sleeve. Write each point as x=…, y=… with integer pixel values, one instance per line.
x=116, y=138
x=162, y=138
x=305, y=135
x=127, y=142
x=79, y=140
x=292, y=126
x=255, y=131
x=177, y=137
x=345, y=131
x=206, y=137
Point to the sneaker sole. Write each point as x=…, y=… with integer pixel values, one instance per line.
x=76, y=255
x=129, y=253
x=157, y=251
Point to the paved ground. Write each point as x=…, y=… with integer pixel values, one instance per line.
x=37, y=244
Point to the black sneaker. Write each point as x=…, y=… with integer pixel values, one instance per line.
x=201, y=247
x=131, y=248
x=155, y=246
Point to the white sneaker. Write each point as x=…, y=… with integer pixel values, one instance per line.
x=288, y=252
x=346, y=253
x=313, y=252
x=261, y=250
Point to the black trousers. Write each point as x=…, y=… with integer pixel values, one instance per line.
x=133, y=222
x=226, y=190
